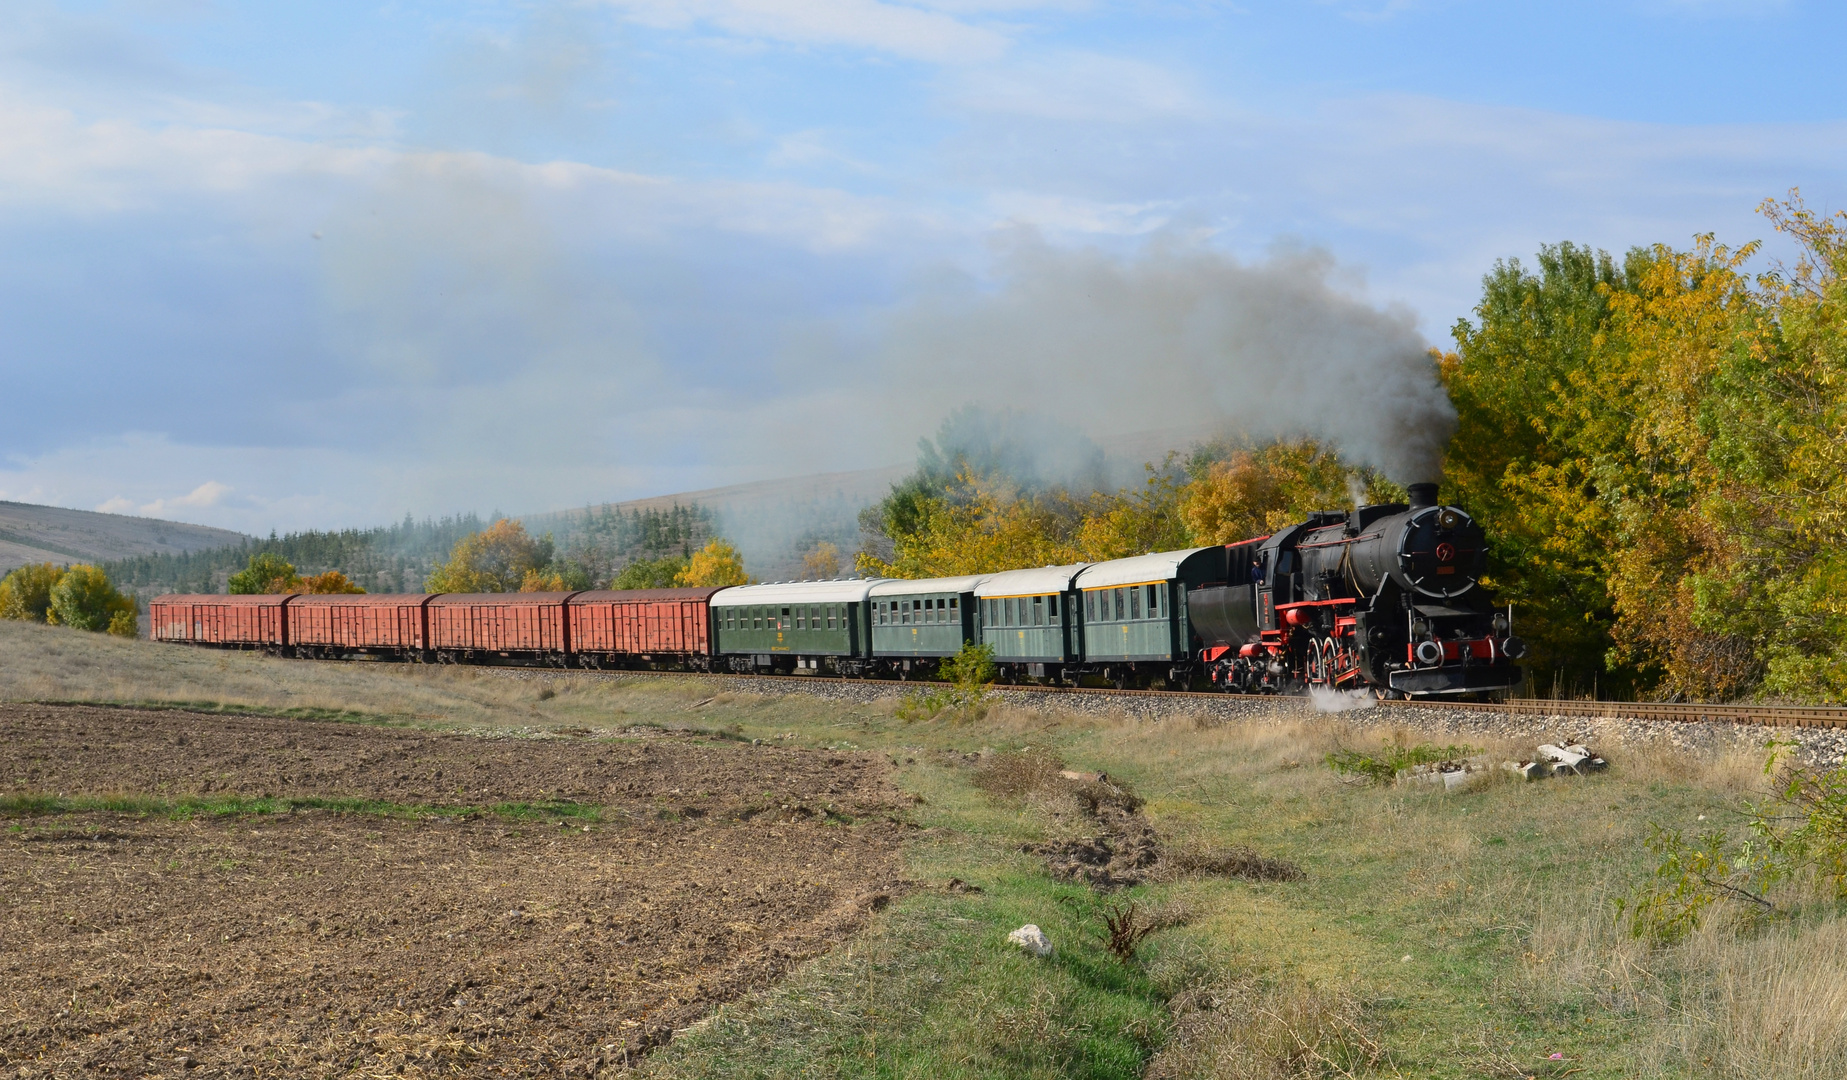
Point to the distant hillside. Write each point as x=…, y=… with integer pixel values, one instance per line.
x=32, y=534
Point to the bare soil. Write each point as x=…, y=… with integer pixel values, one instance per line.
x=318, y=943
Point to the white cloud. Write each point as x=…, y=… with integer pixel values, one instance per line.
x=204, y=496
x=1077, y=86
x=916, y=33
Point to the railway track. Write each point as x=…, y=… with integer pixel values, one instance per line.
x=1798, y=716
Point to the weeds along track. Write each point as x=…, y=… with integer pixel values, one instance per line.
x=1820, y=733
x=1798, y=716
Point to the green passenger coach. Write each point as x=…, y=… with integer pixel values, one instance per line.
x=1133, y=613
x=917, y=622
x=794, y=626
x=1026, y=617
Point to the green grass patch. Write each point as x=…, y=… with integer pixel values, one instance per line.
x=340, y=716
x=1383, y=764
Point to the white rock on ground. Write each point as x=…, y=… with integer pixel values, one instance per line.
x=1032, y=939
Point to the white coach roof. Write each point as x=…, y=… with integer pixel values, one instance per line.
x=851, y=591
x=1160, y=566
x=912, y=586
x=1046, y=579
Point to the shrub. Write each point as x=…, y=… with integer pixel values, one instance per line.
x=84, y=599
x=1800, y=832
x=970, y=674
x=25, y=594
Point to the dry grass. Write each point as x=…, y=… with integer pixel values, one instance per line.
x=1732, y=1002
x=1018, y=772
x=1253, y=1025
x=46, y=663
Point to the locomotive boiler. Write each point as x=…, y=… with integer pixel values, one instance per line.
x=1386, y=597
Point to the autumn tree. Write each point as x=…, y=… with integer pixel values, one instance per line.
x=504, y=558
x=715, y=564
x=25, y=593
x=84, y=599
x=821, y=563
x=331, y=583
x=1242, y=492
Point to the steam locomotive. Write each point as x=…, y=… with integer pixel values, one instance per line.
x=1385, y=599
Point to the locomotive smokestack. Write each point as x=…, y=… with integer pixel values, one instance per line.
x=1422, y=495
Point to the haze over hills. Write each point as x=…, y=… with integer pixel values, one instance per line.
x=32, y=534
x=773, y=522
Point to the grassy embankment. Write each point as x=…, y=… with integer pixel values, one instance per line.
x=1461, y=935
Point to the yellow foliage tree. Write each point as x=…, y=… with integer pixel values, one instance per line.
x=822, y=563
x=980, y=529
x=25, y=593
x=716, y=564
x=545, y=580
x=1255, y=492
x=1134, y=523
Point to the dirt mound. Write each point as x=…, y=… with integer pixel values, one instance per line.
x=325, y=944
x=1121, y=849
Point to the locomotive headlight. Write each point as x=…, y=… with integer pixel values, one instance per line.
x=1419, y=628
x=1499, y=622
x=1448, y=518
x=1513, y=648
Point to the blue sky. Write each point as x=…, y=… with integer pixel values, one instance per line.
x=284, y=266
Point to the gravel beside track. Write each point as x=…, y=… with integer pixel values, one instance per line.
x=1447, y=721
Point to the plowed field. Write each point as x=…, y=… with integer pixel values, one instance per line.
x=449, y=927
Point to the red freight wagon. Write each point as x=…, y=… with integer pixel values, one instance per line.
x=246, y=621
x=463, y=626
x=387, y=623
x=618, y=628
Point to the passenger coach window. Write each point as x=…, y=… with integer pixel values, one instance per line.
x=1135, y=603
x=1154, y=601
x=1051, y=608
x=800, y=623
x=1038, y=611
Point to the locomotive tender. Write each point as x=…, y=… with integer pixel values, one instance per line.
x=1382, y=598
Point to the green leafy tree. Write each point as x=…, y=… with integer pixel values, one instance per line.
x=84, y=599
x=1524, y=457
x=661, y=573
x=25, y=593
x=267, y=574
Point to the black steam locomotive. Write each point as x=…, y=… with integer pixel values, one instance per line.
x=1386, y=598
